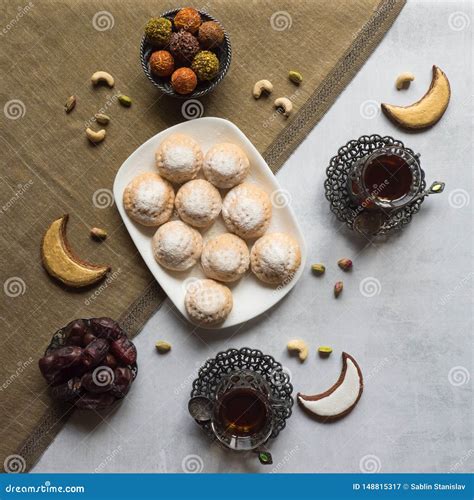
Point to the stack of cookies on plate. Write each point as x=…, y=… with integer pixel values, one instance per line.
x=149, y=199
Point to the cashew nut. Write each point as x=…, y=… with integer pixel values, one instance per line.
x=102, y=76
x=403, y=80
x=299, y=346
x=262, y=86
x=95, y=136
x=285, y=104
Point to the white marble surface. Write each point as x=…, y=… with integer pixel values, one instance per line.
x=413, y=338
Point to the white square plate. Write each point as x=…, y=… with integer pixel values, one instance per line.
x=251, y=297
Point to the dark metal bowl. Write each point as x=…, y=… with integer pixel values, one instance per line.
x=223, y=53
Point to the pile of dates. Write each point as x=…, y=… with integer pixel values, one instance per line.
x=91, y=365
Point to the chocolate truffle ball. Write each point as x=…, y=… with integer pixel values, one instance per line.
x=183, y=80
x=184, y=46
x=187, y=19
x=205, y=65
x=161, y=63
x=210, y=35
x=158, y=30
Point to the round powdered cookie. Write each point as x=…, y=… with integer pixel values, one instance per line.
x=179, y=158
x=225, y=165
x=176, y=246
x=275, y=258
x=148, y=199
x=198, y=203
x=247, y=211
x=208, y=303
x=225, y=258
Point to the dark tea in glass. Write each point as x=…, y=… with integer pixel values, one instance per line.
x=388, y=178
x=242, y=411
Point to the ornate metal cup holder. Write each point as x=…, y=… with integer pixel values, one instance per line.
x=212, y=372
x=336, y=181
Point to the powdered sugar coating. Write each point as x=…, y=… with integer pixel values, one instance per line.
x=226, y=165
x=198, y=203
x=177, y=246
x=179, y=158
x=148, y=199
x=208, y=303
x=275, y=258
x=225, y=258
x=247, y=211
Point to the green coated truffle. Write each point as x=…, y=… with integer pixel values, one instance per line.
x=205, y=65
x=158, y=30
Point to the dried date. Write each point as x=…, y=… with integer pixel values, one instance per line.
x=94, y=353
x=123, y=381
x=124, y=351
x=68, y=391
x=95, y=401
x=106, y=328
x=57, y=366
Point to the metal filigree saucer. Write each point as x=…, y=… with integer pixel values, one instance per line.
x=336, y=181
x=211, y=373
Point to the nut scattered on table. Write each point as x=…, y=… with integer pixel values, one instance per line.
x=101, y=118
x=338, y=289
x=163, y=347
x=404, y=79
x=284, y=104
x=299, y=346
x=103, y=77
x=295, y=77
x=98, y=234
x=262, y=86
x=345, y=264
x=124, y=100
x=318, y=269
x=95, y=136
x=70, y=104
x=324, y=351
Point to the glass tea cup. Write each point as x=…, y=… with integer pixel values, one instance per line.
x=389, y=178
x=243, y=410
